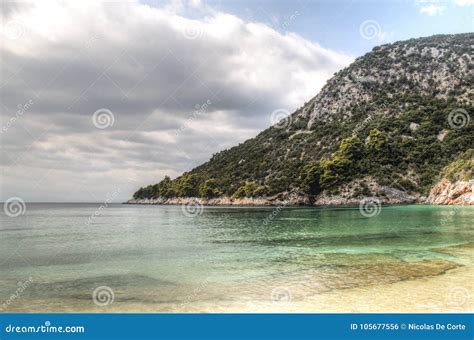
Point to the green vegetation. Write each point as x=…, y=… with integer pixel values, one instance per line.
x=210, y=189
x=461, y=169
x=311, y=179
x=343, y=164
x=249, y=189
x=188, y=185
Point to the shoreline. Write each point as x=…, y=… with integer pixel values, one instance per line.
x=267, y=201
x=460, y=193
x=260, y=202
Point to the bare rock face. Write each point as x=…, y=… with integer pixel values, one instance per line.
x=447, y=193
x=350, y=194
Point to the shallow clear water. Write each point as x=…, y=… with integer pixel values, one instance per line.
x=154, y=255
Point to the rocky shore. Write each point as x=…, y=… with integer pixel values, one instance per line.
x=447, y=193
x=443, y=193
x=264, y=201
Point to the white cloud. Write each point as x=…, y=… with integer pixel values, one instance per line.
x=437, y=7
x=432, y=9
x=151, y=67
x=464, y=2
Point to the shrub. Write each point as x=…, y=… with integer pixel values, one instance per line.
x=209, y=189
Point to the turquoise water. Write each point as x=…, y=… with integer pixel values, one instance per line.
x=162, y=255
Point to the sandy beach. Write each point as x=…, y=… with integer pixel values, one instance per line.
x=448, y=289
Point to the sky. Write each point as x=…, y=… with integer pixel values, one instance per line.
x=99, y=98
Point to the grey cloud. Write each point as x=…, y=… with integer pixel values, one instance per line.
x=137, y=62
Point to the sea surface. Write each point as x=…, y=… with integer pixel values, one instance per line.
x=129, y=258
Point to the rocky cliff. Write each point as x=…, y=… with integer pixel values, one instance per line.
x=455, y=185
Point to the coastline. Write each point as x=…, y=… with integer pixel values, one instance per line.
x=268, y=202
x=443, y=193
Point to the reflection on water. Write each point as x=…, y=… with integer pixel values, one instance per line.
x=158, y=258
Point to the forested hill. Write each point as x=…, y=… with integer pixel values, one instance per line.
x=386, y=125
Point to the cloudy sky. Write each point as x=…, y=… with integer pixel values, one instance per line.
x=100, y=98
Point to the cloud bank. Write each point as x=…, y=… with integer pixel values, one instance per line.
x=98, y=96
